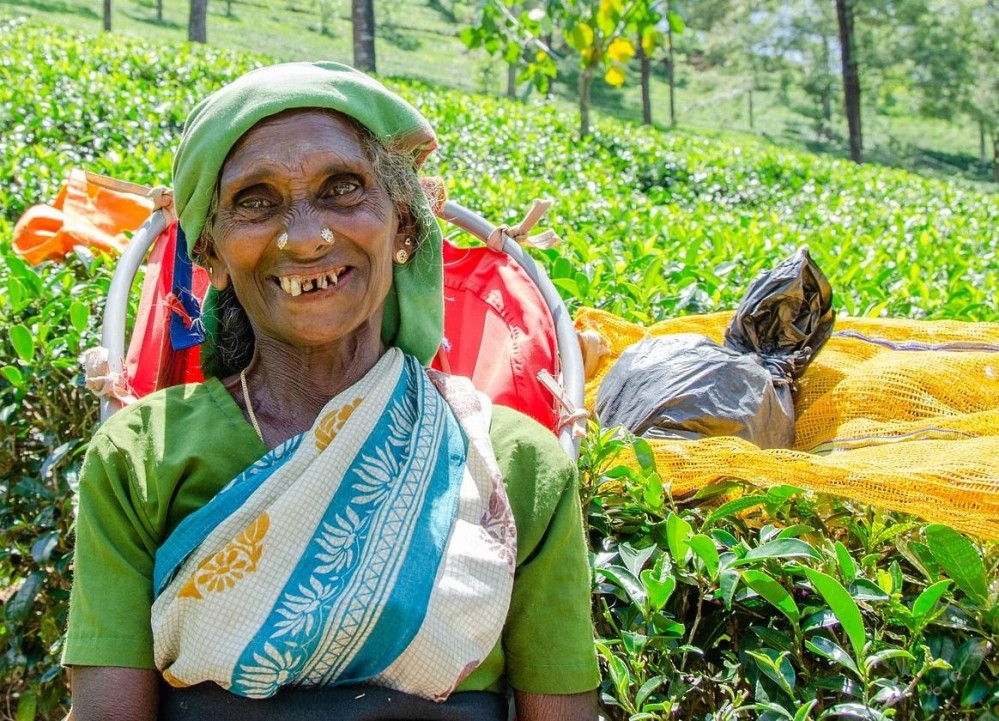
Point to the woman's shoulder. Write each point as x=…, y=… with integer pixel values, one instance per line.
x=529, y=455
x=511, y=430
x=182, y=408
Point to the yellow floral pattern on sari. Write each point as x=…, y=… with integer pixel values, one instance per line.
x=237, y=560
x=331, y=423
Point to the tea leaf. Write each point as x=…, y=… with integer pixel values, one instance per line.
x=23, y=342
x=704, y=548
x=846, y=565
x=832, y=651
x=780, y=548
x=79, y=316
x=842, y=605
x=960, y=560
x=767, y=587
x=678, y=533
x=926, y=602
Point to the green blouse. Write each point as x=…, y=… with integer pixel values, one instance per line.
x=168, y=454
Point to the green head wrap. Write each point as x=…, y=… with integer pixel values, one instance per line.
x=413, y=318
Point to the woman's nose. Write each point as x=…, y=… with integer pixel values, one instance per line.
x=307, y=234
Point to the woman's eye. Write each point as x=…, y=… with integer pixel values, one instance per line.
x=343, y=187
x=254, y=203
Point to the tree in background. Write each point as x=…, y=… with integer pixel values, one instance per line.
x=325, y=10
x=954, y=47
x=938, y=58
x=813, y=35
x=516, y=32
x=851, y=77
x=197, y=23
x=363, y=17
x=107, y=15
x=655, y=24
x=600, y=32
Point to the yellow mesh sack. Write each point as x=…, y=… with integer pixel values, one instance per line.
x=900, y=414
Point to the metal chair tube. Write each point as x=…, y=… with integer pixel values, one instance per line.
x=116, y=307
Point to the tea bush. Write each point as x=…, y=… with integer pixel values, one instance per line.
x=776, y=605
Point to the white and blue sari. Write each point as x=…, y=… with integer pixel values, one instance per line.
x=378, y=547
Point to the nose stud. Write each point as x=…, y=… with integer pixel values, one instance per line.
x=326, y=234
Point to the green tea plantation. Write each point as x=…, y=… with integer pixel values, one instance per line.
x=843, y=610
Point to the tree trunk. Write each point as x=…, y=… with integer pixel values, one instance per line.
x=995, y=154
x=363, y=17
x=981, y=143
x=752, y=122
x=159, y=11
x=228, y=8
x=548, y=44
x=851, y=78
x=197, y=31
x=671, y=77
x=825, y=124
x=107, y=15
x=511, y=80
x=585, y=83
x=646, y=66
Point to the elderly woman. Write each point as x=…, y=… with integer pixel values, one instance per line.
x=323, y=528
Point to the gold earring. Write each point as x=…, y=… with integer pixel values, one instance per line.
x=401, y=257
x=282, y=241
x=327, y=236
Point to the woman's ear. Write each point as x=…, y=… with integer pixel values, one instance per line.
x=406, y=235
x=209, y=260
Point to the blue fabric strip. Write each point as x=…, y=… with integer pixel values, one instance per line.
x=184, y=335
x=407, y=606
x=193, y=530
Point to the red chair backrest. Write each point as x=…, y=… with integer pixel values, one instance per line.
x=498, y=331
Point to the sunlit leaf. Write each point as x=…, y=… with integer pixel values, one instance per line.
x=23, y=342
x=615, y=76
x=959, y=559
x=926, y=602
x=842, y=605
x=621, y=50
x=768, y=587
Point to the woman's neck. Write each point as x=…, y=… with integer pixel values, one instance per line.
x=288, y=387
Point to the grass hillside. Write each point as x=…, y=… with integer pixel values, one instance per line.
x=656, y=225
x=418, y=39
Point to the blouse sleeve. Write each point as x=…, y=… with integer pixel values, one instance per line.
x=548, y=639
x=115, y=551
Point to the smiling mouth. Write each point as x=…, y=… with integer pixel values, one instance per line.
x=295, y=285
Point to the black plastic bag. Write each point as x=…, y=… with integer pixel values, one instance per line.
x=786, y=316
x=687, y=386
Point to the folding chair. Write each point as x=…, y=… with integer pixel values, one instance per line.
x=505, y=325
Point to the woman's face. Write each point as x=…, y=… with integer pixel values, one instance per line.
x=298, y=173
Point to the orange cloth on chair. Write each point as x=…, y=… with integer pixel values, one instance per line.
x=90, y=210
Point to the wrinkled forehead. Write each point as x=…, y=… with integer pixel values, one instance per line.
x=314, y=129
